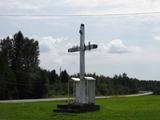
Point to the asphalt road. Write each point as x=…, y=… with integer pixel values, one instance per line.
x=59, y=99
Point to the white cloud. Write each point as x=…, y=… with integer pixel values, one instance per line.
x=55, y=58
x=109, y=55
x=116, y=46
x=85, y=6
x=114, y=6
x=48, y=43
x=54, y=54
x=23, y=4
x=49, y=51
x=84, y=3
x=157, y=38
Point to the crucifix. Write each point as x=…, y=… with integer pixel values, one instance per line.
x=83, y=87
x=82, y=48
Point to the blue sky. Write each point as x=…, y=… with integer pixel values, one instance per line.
x=126, y=43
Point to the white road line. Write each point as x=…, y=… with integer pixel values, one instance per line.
x=60, y=99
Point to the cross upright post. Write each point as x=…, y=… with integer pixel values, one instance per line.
x=82, y=64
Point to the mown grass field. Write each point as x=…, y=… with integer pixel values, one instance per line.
x=117, y=108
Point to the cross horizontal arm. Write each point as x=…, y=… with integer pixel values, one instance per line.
x=74, y=49
x=91, y=46
x=87, y=47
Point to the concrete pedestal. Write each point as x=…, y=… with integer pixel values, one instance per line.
x=77, y=108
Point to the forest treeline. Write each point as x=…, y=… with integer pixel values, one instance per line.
x=22, y=78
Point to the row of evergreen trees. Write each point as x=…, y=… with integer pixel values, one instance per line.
x=21, y=77
x=20, y=74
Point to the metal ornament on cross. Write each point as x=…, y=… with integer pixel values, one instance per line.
x=82, y=48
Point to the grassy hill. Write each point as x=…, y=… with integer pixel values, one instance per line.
x=117, y=108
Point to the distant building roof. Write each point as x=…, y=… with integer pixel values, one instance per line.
x=75, y=79
x=89, y=78
x=78, y=79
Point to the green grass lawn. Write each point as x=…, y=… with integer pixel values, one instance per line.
x=117, y=108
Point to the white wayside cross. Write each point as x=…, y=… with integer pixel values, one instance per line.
x=82, y=48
